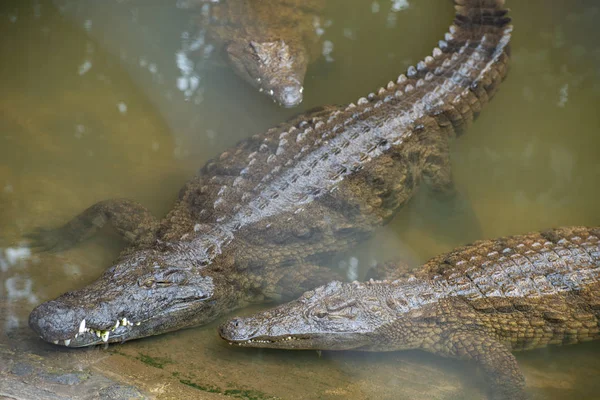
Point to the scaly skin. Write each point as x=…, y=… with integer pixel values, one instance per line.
x=269, y=43
x=478, y=302
x=257, y=222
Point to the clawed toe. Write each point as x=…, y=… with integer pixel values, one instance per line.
x=47, y=240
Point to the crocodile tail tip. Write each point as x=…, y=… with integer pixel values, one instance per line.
x=474, y=13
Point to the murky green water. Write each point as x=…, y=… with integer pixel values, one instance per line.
x=92, y=107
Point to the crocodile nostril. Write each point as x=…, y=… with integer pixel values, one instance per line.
x=232, y=328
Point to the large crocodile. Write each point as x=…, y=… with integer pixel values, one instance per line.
x=478, y=302
x=255, y=224
x=268, y=43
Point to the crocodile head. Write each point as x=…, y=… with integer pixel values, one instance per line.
x=142, y=295
x=276, y=68
x=337, y=316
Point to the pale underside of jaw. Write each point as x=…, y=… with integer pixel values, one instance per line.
x=102, y=334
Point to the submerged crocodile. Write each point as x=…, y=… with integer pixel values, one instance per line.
x=256, y=224
x=479, y=303
x=268, y=43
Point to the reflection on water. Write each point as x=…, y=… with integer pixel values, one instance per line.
x=107, y=100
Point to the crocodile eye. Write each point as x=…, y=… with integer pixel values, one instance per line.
x=338, y=304
x=321, y=314
x=147, y=283
x=173, y=276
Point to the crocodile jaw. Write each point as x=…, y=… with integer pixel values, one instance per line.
x=129, y=301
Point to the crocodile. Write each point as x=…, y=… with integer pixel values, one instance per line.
x=478, y=302
x=257, y=223
x=268, y=43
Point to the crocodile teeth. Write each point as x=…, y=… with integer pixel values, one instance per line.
x=117, y=324
x=67, y=342
x=82, y=326
x=55, y=341
x=105, y=336
x=124, y=321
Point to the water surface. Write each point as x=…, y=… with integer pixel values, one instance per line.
x=111, y=100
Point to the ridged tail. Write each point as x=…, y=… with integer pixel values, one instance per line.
x=482, y=29
x=463, y=73
x=472, y=13
x=476, y=19
x=474, y=59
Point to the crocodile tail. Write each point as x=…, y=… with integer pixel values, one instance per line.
x=479, y=19
x=462, y=74
x=476, y=52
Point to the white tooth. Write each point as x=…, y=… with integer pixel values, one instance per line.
x=117, y=324
x=77, y=334
x=137, y=323
x=55, y=341
x=67, y=342
x=105, y=336
x=124, y=321
x=82, y=326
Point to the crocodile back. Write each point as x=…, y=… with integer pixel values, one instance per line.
x=319, y=183
x=529, y=290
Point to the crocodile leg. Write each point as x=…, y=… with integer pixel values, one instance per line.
x=496, y=360
x=132, y=221
x=389, y=271
x=292, y=282
x=448, y=205
x=437, y=170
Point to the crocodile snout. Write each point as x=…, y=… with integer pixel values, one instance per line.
x=54, y=320
x=237, y=329
x=290, y=96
